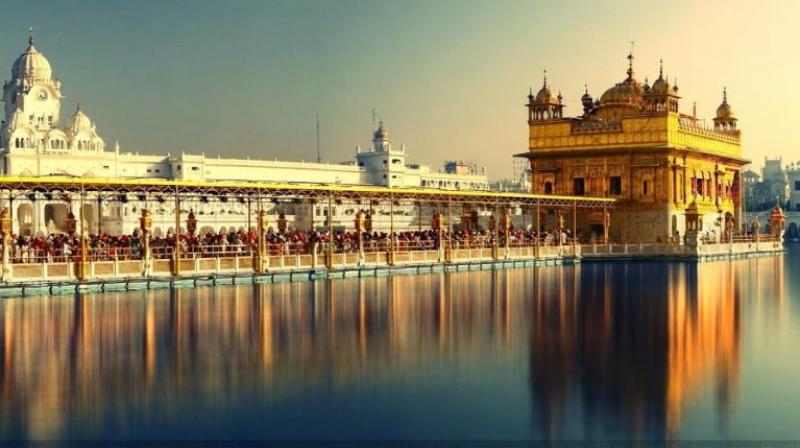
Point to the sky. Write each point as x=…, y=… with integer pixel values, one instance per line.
x=449, y=78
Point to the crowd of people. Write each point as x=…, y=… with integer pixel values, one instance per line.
x=63, y=247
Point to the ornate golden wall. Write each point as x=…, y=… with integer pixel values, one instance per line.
x=654, y=165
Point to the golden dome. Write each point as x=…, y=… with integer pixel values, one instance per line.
x=724, y=110
x=545, y=96
x=626, y=93
x=661, y=85
x=623, y=93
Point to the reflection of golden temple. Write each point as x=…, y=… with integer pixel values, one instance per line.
x=68, y=359
x=626, y=350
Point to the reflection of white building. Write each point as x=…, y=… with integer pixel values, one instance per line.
x=32, y=143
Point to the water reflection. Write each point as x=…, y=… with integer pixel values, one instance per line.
x=597, y=351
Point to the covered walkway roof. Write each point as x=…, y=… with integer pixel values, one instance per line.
x=19, y=186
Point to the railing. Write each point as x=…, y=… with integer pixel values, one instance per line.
x=64, y=263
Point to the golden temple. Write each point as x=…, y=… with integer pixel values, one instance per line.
x=633, y=144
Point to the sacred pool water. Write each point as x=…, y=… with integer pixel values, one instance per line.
x=611, y=351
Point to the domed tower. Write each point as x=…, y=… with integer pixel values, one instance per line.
x=34, y=95
x=725, y=121
x=81, y=133
x=587, y=101
x=545, y=106
x=622, y=99
x=661, y=97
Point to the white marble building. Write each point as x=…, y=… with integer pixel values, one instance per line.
x=33, y=143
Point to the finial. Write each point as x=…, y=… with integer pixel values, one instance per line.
x=30, y=36
x=724, y=94
x=78, y=108
x=545, y=78
x=586, y=89
x=660, y=68
x=630, y=62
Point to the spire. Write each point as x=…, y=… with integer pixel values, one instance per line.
x=660, y=68
x=30, y=36
x=544, y=85
x=586, y=89
x=724, y=95
x=630, y=62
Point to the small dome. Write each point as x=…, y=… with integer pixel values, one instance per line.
x=381, y=133
x=586, y=98
x=545, y=96
x=724, y=110
x=80, y=122
x=31, y=64
x=660, y=87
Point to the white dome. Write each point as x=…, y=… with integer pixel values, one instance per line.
x=80, y=122
x=31, y=64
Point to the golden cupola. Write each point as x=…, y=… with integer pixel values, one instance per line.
x=725, y=120
x=661, y=97
x=545, y=106
x=623, y=98
x=661, y=85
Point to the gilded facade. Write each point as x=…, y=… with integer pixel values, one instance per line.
x=633, y=144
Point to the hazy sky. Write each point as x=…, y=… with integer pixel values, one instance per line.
x=246, y=78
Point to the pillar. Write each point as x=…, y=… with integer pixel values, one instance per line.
x=329, y=257
x=495, y=228
x=5, y=241
x=574, y=224
x=506, y=225
x=359, y=226
x=83, y=266
x=448, y=253
x=146, y=226
x=99, y=215
x=262, y=253
x=436, y=225
x=390, y=256
x=176, y=251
